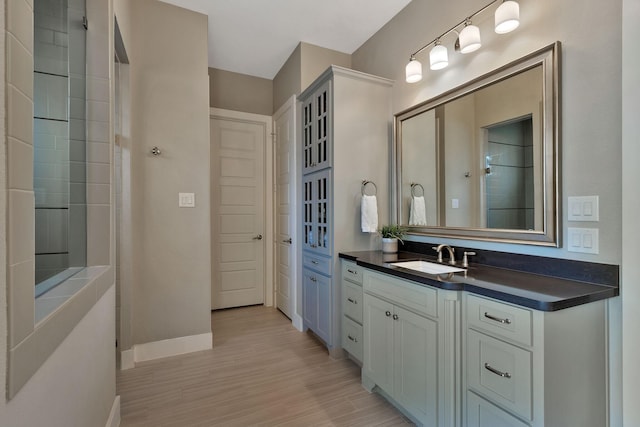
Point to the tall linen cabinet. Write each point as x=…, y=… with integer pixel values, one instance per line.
x=346, y=128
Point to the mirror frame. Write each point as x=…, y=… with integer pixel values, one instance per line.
x=549, y=58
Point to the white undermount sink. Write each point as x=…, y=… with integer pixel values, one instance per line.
x=428, y=267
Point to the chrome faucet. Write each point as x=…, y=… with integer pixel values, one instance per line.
x=452, y=258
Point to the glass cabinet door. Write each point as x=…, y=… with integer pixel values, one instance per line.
x=317, y=212
x=316, y=130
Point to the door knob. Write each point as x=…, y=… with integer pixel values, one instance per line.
x=287, y=241
x=258, y=237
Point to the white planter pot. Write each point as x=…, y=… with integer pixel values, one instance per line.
x=389, y=245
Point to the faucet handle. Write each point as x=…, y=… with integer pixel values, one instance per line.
x=465, y=260
x=437, y=249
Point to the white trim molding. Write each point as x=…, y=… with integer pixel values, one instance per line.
x=114, y=415
x=165, y=348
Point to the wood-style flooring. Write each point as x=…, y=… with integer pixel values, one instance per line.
x=261, y=371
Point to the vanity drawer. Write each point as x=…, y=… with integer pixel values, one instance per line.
x=317, y=263
x=352, y=271
x=352, y=300
x=352, y=338
x=481, y=413
x=513, y=323
x=413, y=296
x=501, y=372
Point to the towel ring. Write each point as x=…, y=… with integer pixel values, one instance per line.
x=364, y=187
x=413, y=189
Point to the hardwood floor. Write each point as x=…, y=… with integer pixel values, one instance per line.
x=261, y=371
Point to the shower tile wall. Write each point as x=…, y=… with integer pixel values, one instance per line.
x=510, y=184
x=59, y=164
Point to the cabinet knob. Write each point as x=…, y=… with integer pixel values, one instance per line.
x=313, y=279
x=395, y=317
x=387, y=313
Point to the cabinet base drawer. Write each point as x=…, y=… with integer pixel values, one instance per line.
x=317, y=263
x=500, y=372
x=352, y=300
x=352, y=338
x=351, y=271
x=481, y=413
x=513, y=323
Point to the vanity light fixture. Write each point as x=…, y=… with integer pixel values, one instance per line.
x=413, y=70
x=507, y=19
x=469, y=38
x=438, y=57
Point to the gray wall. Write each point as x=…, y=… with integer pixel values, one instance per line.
x=171, y=283
x=305, y=64
x=630, y=208
x=287, y=81
x=240, y=92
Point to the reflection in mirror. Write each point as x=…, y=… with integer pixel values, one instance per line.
x=480, y=161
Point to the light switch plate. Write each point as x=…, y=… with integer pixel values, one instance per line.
x=583, y=240
x=584, y=208
x=186, y=200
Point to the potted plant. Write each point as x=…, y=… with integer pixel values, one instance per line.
x=390, y=235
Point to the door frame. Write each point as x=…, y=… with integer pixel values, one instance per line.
x=296, y=285
x=267, y=122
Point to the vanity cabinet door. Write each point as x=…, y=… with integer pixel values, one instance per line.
x=415, y=364
x=317, y=303
x=378, y=342
x=310, y=297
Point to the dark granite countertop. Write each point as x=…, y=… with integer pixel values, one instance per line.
x=545, y=293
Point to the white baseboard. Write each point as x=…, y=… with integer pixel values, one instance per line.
x=298, y=323
x=114, y=415
x=165, y=348
x=127, y=360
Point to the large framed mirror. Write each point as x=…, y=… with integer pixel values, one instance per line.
x=481, y=161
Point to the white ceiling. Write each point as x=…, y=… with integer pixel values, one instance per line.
x=256, y=37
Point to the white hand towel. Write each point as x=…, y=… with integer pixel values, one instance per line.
x=418, y=211
x=369, y=214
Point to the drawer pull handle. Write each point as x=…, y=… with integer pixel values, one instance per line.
x=352, y=338
x=387, y=313
x=352, y=301
x=314, y=262
x=395, y=317
x=352, y=271
x=313, y=279
x=495, y=371
x=497, y=319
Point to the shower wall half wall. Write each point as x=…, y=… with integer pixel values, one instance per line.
x=59, y=137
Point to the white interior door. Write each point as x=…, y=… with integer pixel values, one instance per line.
x=284, y=126
x=238, y=212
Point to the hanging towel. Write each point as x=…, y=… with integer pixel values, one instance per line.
x=369, y=214
x=418, y=211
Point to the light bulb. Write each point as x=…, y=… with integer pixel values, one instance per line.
x=413, y=71
x=438, y=57
x=469, y=38
x=507, y=17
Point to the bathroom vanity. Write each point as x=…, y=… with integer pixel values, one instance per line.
x=486, y=346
